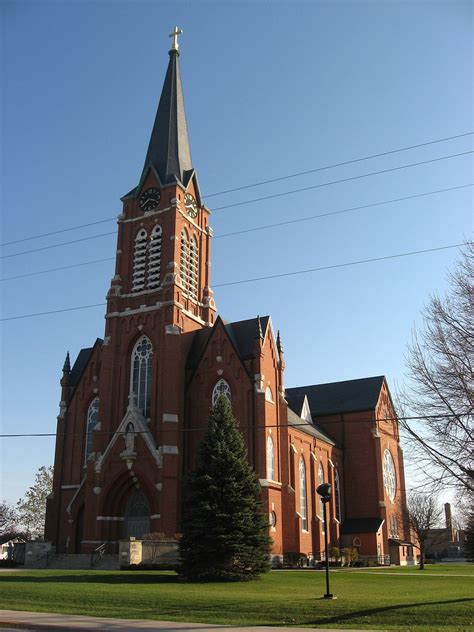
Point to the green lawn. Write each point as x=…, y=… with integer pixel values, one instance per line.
x=438, y=599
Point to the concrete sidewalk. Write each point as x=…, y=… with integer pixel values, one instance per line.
x=15, y=619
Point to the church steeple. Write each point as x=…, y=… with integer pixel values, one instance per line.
x=168, y=152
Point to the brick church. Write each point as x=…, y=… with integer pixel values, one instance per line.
x=134, y=405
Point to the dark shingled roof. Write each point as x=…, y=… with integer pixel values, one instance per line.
x=311, y=429
x=168, y=152
x=361, y=525
x=242, y=333
x=337, y=397
x=81, y=363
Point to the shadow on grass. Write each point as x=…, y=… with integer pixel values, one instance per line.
x=96, y=578
x=348, y=616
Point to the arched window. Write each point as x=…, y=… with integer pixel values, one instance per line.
x=268, y=394
x=184, y=262
x=92, y=420
x=320, y=482
x=141, y=374
x=139, y=261
x=303, y=508
x=292, y=466
x=270, y=460
x=337, y=495
x=389, y=476
x=193, y=269
x=221, y=388
x=154, y=258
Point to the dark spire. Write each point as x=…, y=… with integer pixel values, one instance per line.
x=168, y=152
x=258, y=332
x=279, y=345
x=67, y=364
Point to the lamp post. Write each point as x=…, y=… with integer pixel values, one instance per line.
x=324, y=490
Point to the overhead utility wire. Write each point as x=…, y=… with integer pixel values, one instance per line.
x=338, y=265
x=63, y=243
x=339, y=212
x=337, y=164
x=257, y=228
x=267, y=197
x=248, y=186
x=327, y=184
x=247, y=427
x=263, y=278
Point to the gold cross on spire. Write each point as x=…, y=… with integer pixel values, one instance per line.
x=174, y=35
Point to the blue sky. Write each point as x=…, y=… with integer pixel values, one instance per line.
x=271, y=89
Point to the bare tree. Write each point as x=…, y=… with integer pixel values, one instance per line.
x=440, y=390
x=32, y=508
x=424, y=514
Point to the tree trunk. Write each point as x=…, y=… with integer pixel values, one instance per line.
x=422, y=559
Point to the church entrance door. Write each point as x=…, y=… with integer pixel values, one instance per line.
x=137, y=515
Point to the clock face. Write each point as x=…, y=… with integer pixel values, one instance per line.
x=149, y=199
x=190, y=205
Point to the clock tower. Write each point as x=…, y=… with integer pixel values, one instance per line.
x=159, y=296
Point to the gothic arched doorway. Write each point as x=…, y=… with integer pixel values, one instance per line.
x=137, y=515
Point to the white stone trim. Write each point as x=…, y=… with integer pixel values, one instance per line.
x=69, y=486
x=170, y=418
x=69, y=507
x=154, y=516
x=111, y=518
x=266, y=482
x=170, y=449
x=133, y=415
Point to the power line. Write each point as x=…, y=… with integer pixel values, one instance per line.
x=338, y=164
x=263, y=278
x=326, y=184
x=74, y=265
x=337, y=265
x=267, y=197
x=344, y=210
x=258, y=228
x=247, y=427
x=64, y=243
x=248, y=186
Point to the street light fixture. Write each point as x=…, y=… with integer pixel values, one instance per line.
x=324, y=490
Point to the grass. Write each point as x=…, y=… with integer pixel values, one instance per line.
x=438, y=599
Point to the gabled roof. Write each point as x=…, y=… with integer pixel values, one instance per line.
x=361, y=525
x=242, y=334
x=81, y=363
x=168, y=151
x=337, y=397
x=309, y=428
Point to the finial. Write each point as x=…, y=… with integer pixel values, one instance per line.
x=67, y=364
x=259, y=333
x=279, y=345
x=174, y=35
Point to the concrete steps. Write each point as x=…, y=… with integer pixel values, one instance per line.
x=82, y=561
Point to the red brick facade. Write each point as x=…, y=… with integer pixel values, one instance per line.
x=133, y=449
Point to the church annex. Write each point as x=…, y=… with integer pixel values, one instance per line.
x=135, y=403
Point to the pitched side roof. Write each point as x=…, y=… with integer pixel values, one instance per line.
x=337, y=397
x=309, y=428
x=361, y=525
x=81, y=363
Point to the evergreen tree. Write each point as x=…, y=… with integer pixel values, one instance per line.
x=224, y=532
